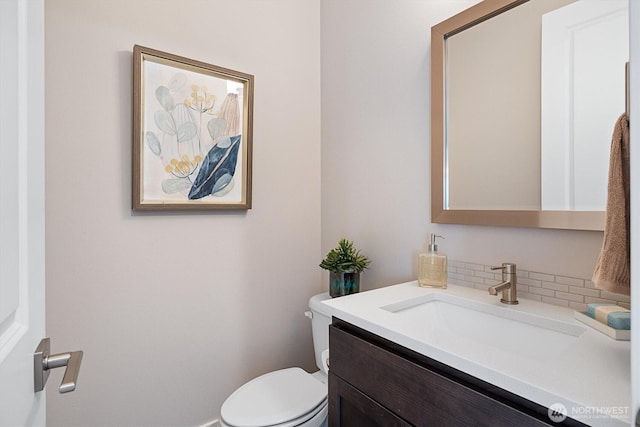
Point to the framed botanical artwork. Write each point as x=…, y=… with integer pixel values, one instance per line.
x=192, y=134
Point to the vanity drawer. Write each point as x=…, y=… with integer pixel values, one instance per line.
x=412, y=389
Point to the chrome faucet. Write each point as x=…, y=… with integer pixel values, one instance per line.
x=508, y=284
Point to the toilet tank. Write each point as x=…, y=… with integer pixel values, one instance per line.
x=320, y=321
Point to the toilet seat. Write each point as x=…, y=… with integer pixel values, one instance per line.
x=284, y=398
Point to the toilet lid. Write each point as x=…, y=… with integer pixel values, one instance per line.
x=274, y=398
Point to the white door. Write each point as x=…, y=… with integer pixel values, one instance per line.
x=22, y=322
x=634, y=153
x=582, y=43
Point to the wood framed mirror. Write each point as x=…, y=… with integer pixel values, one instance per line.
x=494, y=192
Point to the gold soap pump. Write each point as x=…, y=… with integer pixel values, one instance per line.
x=432, y=267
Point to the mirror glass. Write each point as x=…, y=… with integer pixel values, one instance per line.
x=527, y=93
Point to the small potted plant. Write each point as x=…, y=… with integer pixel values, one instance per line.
x=345, y=264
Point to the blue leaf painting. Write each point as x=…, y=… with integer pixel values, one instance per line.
x=163, y=95
x=222, y=184
x=177, y=82
x=186, y=131
x=215, y=126
x=165, y=122
x=153, y=143
x=216, y=169
x=175, y=185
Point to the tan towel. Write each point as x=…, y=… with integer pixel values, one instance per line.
x=613, y=270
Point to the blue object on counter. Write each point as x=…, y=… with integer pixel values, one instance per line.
x=619, y=320
x=591, y=308
x=610, y=314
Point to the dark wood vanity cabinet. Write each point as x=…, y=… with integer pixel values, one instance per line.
x=375, y=382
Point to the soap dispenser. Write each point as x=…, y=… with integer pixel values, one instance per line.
x=432, y=267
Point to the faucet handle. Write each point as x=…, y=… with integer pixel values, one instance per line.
x=507, y=267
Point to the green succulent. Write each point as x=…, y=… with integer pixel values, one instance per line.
x=344, y=258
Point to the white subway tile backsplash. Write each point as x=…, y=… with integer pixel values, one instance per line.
x=590, y=300
x=479, y=279
x=555, y=286
x=542, y=291
x=570, y=281
x=486, y=275
x=529, y=296
x=466, y=271
x=542, y=276
x=570, y=297
x=455, y=264
x=473, y=266
x=589, y=284
x=530, y=282
x=616, y=297
x=455, y=275
x=578, y=306
x=584, y=291
x=550, y=288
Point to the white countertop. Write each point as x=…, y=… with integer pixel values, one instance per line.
x=590, y=375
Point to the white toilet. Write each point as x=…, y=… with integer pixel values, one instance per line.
x=289, y=397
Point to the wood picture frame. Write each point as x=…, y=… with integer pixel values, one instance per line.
x=192, y=134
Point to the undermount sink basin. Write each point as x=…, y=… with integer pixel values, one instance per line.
x=452, y=320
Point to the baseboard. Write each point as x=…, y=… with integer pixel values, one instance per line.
x=212, y=423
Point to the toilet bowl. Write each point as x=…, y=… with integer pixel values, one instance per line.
x=285, y=398
x=288, y=397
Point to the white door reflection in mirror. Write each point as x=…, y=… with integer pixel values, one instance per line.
x=585, y=46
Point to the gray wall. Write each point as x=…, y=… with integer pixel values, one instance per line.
x=174, y=311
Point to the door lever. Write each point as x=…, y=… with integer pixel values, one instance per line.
x=43, y=362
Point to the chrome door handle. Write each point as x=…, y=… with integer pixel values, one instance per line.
x=43, y=361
